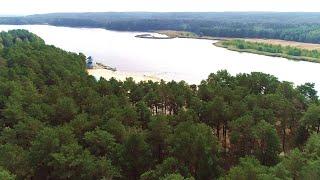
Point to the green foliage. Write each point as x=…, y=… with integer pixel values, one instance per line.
x=308, y=91
x=144, y=113
x=299, y=164
x=100, y=142
x=117, y=129
x=65, y=110
x=72, y=162
x=57, y=122
x=311, y=119
x=173, y=177
x=18, y=36
x=158, y=135
x=268, y=146
x=15, y=159
x=248, y=168
x=311, y=170
x=4, y=174
x=168, y=166
x=273, y=49
x=294, y=162
x=46, y=143
x=195, y=146
x=312, y=147
x=136, y=154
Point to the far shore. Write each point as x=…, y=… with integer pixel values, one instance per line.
x=108, y=72
x=190, y=35
x=295, y=58
x=184, y=34
x=170, y=34
x=150, y=36
x=301, y=45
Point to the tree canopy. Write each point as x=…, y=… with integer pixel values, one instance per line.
x=57, y=122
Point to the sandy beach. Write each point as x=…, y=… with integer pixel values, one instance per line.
x=121, y=76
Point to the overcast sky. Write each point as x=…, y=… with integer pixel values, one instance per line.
x=23, y=7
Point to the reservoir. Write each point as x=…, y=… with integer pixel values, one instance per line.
x=191, y=60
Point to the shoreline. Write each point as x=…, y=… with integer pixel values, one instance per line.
x=150, y=36
x=122, y=75
x=189, y=35
x=252, y=51
x=178, y=34
x=107, y=72
x=184, y=34
x=300, y=45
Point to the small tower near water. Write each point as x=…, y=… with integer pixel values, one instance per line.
x=90, y=62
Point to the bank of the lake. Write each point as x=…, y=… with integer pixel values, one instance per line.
x=188, y=59
x=222, y=44
x=153, y=36
x=220, y=40
x=171, y=34
x=189, y=35
x=122, y=75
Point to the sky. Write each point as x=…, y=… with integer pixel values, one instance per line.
x=26, y=7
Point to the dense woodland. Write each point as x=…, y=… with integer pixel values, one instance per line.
x=303, y=27
x=57, y=122
x=273, y=49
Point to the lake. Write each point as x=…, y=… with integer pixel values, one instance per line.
x=177, y=59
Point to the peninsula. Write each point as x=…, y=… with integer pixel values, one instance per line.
x=285, y=49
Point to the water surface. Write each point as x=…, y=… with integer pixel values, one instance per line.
x=178, y=59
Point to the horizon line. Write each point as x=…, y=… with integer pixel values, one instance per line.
x=82, y=12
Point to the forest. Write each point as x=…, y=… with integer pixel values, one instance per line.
x=57, y=122
x=271, y=49
x=302, y=27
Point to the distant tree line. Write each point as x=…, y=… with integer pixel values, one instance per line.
x=302, y=27
x=57, y=122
